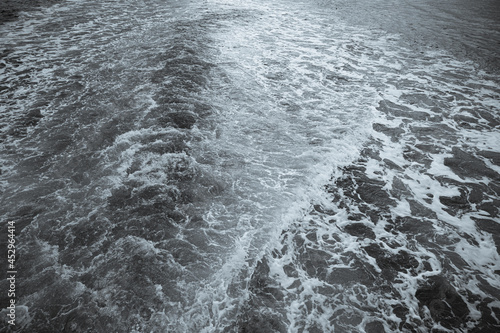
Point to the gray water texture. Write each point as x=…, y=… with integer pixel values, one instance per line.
x=243, y=166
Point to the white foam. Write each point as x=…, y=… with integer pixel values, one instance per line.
x=294, y=101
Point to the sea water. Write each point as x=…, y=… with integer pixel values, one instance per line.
x=244, y=166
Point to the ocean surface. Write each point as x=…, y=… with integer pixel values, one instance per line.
x=243, y=166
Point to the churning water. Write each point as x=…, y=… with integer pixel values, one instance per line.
x=226, y=166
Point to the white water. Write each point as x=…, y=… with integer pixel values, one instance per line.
x=291, y=94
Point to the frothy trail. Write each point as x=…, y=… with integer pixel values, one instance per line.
x=225, y=166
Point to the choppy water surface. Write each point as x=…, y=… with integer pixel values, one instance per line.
x=229, y=166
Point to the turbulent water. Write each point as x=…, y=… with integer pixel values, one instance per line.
x=253, y=166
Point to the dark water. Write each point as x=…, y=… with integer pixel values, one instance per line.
x=228, y=166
